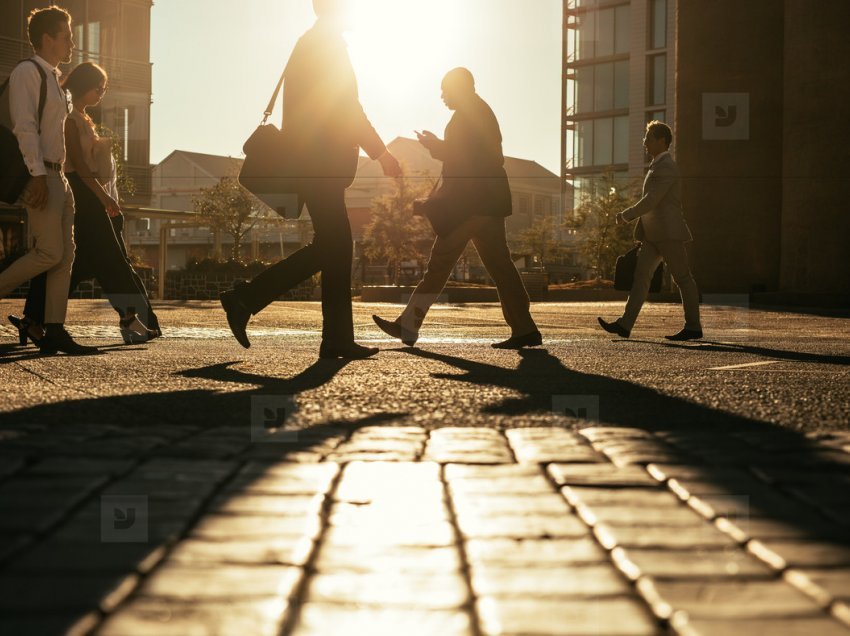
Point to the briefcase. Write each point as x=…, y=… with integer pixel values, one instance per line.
x=624, y=272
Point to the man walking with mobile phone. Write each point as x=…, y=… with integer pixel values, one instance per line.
x=47, y=197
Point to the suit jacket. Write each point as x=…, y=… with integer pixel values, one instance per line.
x=321, y=107
x=474, y=181
x=660, y=208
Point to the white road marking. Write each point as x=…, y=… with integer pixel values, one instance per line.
x=744, y=366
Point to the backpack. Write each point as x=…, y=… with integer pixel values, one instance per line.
x=14, y=174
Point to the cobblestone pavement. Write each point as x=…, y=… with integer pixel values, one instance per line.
x=595, y=486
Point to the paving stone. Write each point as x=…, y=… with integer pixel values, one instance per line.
x=650, y=497
x=533, y=552
x=345, y=457
x=458, y=472
x=435, y=534
x=383, y=513
x=224, y=527
x=827, y=495
x=221, y=582
x=31, y=519
x=80, y=466
x=762, y=627
x=701, y=474
x=790, y=529
x=166, y=617
x=474, y=504
x=600, y=475
x=612, y=617
x=268, y=505
x=317, y=619
x=734, y=599
x=525, y=526
x=391, y=432
x=501, y=485
x=548, y=581
x=54, y=623
x=160, y=488
x=743, y=505
x=671, y=538
x=57, y=593
x=263, y=551
x=834, y=581
x=185, y=469
x=366, y=482
x=432, y=590
x=641, y=516
x=54, y=556
x=372, y=557
x=268, y=452
x=599, y=433
x=284, y=479
x=811, y=554
x=468, y=446
x=685, y=488
x=544, y=445
x=689, y=564
x=468, y=455
x=10, y=465
x=35, y=486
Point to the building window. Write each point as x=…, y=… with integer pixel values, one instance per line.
x=602, y=142
x=657, y=93
x=622, y=32
x=658, y=24
x=523, y=204
x=602, y=87
x=603, y=32
x=656, y=115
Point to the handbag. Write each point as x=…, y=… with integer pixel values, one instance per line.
x=269, y=166
x=624, y=272
x=14, y=174
x=440, y=210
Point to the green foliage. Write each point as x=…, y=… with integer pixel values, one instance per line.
x=601, y=240
x=394, y=235
x=541, y=241
x=230, y=208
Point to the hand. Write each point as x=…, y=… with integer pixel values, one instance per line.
x=427, y=139
x=112, y=207
x=390, y=165
x=36, y=192
x=621, y=219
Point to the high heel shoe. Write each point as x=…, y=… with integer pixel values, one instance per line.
x=134, y=332
x=27, y=329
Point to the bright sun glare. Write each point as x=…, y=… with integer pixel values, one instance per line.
x=403, y=44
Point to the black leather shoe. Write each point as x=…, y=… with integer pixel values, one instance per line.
x=685, y=334
x=395, y=330
x=59, y=340
x=533, y=339
x=614, y=327
x=237, y=316
x=353, y=351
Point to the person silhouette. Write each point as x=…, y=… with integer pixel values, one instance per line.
x=663, y=232
x=323, y=115
x=471, y=202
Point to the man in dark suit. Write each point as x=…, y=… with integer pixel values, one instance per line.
x=663, y=233
x=323, y=112
x=473, y=200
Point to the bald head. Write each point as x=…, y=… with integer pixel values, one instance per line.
x=458, y=86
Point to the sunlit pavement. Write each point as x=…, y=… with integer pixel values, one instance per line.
x=592, y=486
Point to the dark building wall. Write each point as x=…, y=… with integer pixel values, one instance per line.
x=732, y=190
x=816, y=185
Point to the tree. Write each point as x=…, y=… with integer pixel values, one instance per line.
x=601, y=240
x=541, y=240
x=395, y=235
x=230, y=208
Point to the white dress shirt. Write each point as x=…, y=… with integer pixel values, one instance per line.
x=24, y=92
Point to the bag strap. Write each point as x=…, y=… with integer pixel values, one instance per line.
x=270, y=108
x=42, y=95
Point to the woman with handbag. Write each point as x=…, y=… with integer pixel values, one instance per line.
x=323, y=127
x=101, y=254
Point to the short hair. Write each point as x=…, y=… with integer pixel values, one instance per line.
x=460, y=78
x=324, y=7
x=660, y=130
x=48, y=21
x=84, y=78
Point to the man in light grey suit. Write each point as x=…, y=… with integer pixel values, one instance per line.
x=662, y=231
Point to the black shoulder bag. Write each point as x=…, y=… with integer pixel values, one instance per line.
x=14, y=174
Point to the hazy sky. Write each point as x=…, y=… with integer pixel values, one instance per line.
x=216, y=63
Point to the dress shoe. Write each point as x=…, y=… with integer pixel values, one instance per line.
x=614, y=327
x=351, y=351
x=56, y=340
x=685, y=334
x=27, y=330
x=395, y=330
x=533, y=339
x=237, y=316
